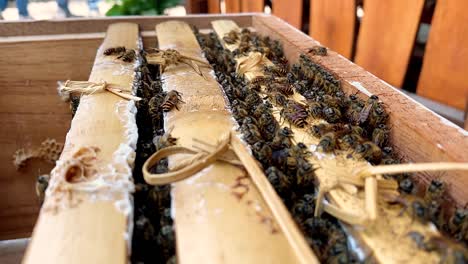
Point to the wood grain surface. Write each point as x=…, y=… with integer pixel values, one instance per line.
x=91, y=231
x=386, y=37
x=332, y=23
x=444, y=77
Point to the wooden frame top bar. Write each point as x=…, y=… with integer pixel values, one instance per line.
x=77, y=226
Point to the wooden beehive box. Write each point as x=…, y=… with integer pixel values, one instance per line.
x=37, y=54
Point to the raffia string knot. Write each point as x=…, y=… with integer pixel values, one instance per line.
x=88, y=88
x=167, y=57
x=370, y=178
x=252, y=64
x=203, y=155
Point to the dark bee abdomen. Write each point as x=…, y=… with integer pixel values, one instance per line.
x=114, y=50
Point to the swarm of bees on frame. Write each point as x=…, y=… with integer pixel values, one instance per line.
x=283, y=160
x=153, y=235
x=349, y=123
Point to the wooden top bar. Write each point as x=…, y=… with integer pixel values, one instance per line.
x=219, y=215
x=94, y=230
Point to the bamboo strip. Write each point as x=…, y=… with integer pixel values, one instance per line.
x=380, y=235
x=232, y=221
x=94, y=231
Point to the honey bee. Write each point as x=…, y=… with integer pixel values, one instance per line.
x=331, y=114
x=268, y=126
x=166, y=240
x=406, y=185
x=261, y=109
x=250, y=133
x=172, y=99
x=369, y=151
x=322, y=128
x=458, y=224
x=258, y=80
x=165, y=217
x=278, y=99
x=370, y=104
x=435, y=191
x=42, y=183
x=279, y=181
x=282, y=139
x=378, y=116
x=305, y=175
x=304, y=207
x=295, y=113
x=114, y=50
x=128, y=56
x=284, y=88
x=144, y=229
x=164, y=141
x=449, y=251
x=350, y=141
x=317, y=50
x=159, y=196
x=277, y=70
x=232, y=37
x=328, y=142
x=239, y=112
x=316, y=109
x=380, y=135
x=262, y=152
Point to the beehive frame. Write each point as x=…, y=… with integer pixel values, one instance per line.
x=421, y=135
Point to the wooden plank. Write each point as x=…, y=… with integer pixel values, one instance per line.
x=376, y=235
x=233, y=6
x=443, y=77
x=332, y=23
x=214, y=6
x=31, y=112
x=93, y=229
x=224, y=221
x=90, y=25
x=18, y=213
x=290, y=11
x=252, y=5
x=196, y=6
x=386, y=38
x=419, y=135
x=45, y=58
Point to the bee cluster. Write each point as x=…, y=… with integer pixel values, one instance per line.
x=284, y=162
x=153, y=234
x=359, y=127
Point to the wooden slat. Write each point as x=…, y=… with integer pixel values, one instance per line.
x=290, y=11
x=196, y=6
x=90, y=25
x=418, y=134
x=332, y=23
x=443, y=76
x=229, y=227
x=94, y=230
x=252, y=5
x=386, y=37
x=214, y=6
x=48, y=58
x=233, y=6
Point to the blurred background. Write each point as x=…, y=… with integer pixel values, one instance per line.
x=390, y=39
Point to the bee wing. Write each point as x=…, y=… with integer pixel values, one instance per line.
x=364, y=114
